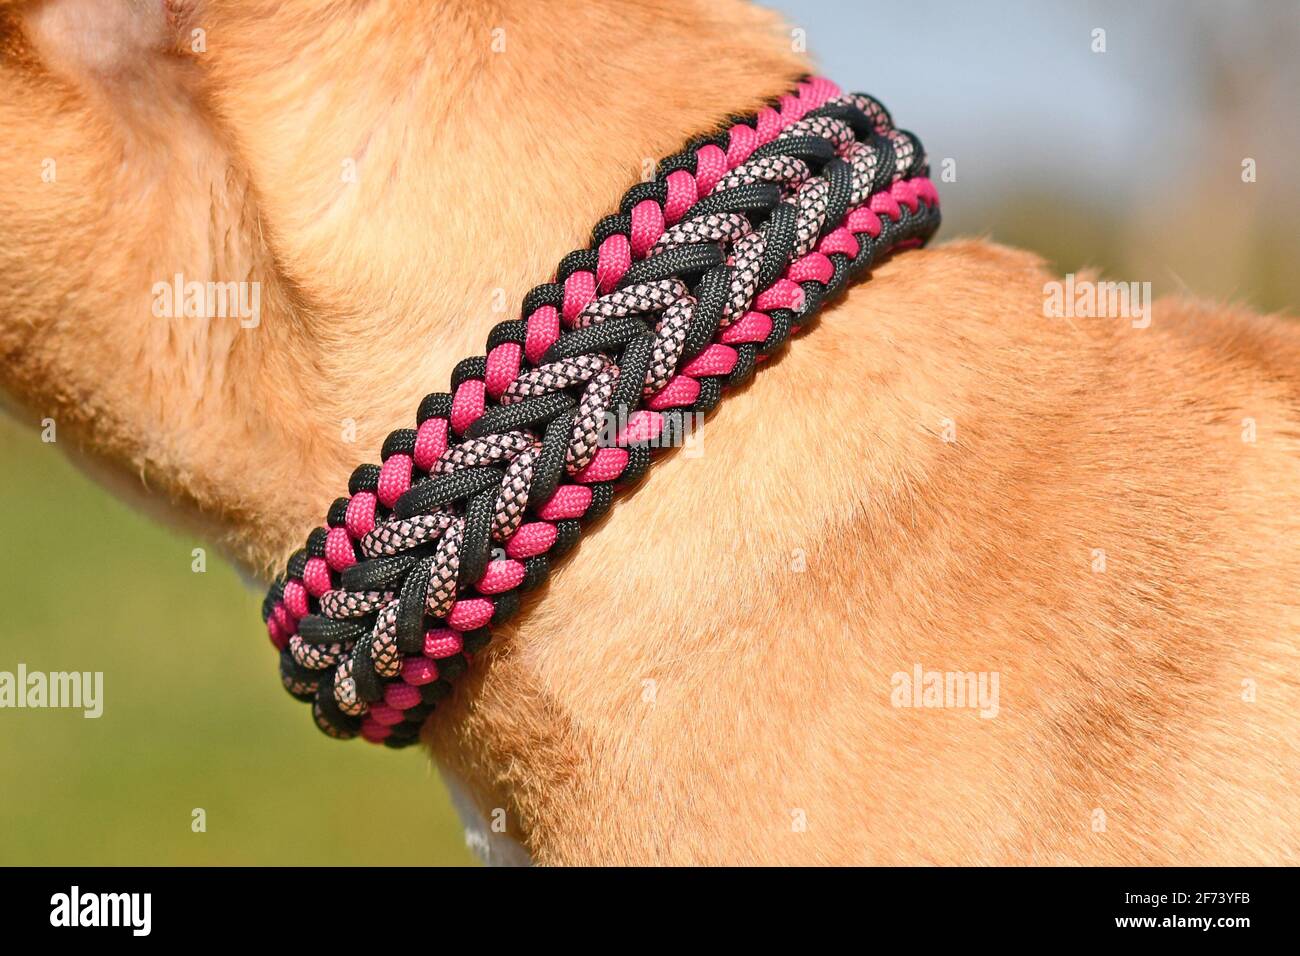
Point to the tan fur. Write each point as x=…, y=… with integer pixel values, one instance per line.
x=1120, y=691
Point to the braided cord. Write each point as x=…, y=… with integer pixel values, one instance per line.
x=702, y=274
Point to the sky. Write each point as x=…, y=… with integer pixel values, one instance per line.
x=1013, y=88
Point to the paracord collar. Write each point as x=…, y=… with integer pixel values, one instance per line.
x=702, y=274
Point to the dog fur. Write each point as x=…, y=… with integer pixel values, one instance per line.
x=925, y=477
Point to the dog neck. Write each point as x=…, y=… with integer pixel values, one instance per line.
x=382, y=199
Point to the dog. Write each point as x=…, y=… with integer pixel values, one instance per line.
x=937, y=478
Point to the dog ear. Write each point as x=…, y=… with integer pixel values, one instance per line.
x=106, y=41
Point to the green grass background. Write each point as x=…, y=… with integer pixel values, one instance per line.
x=194, y=715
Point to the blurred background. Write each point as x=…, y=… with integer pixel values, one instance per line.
x=223, y=736
x=1129, y=160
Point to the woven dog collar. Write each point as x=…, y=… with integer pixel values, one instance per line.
x=702, y=274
